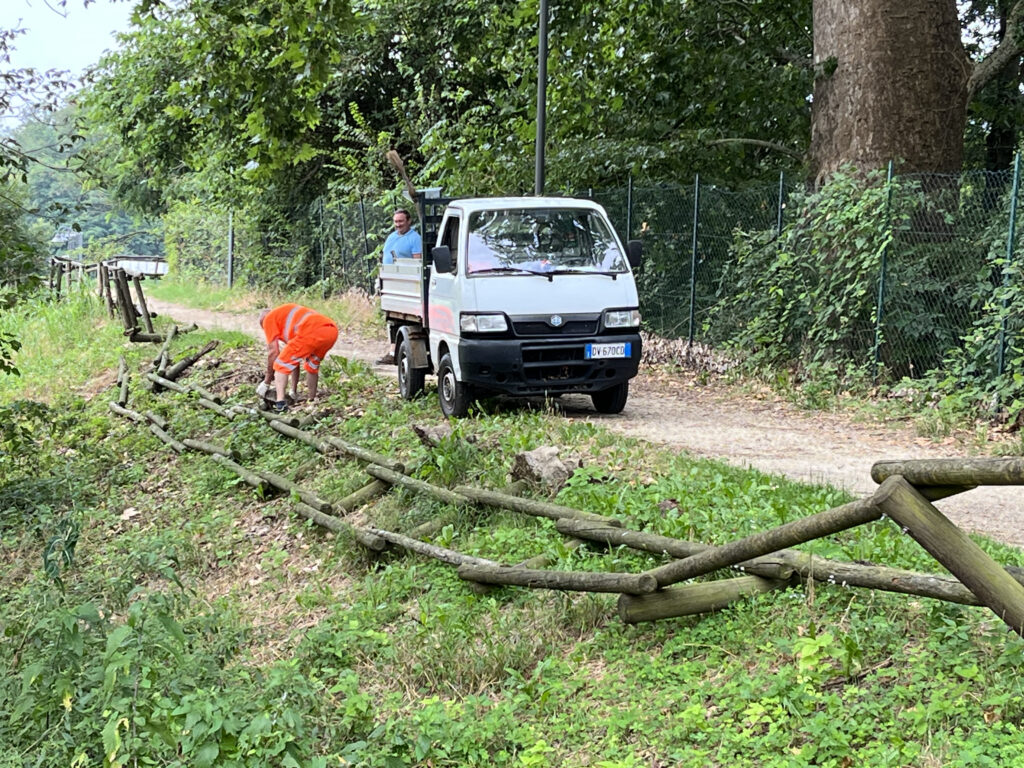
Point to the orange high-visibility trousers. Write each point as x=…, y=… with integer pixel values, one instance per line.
x=307, y=337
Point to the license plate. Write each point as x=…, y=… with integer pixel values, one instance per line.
x=604, y=351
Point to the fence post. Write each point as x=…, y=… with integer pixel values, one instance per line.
x=231, y=249
x=323, y=269
x=1001, y=352
x=782, y=199
x=366, y=246
x=693, y=255
x=881, y=280
x=629, y=206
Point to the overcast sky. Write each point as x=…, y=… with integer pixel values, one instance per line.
x=71, y=41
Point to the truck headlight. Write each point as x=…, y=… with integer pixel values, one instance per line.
x=483, y=323
x=622, y=318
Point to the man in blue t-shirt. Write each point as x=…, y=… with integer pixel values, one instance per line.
x=404, y=242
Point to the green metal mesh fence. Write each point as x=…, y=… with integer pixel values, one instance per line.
x=946, y=283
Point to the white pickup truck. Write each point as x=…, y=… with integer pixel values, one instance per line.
x=518, y=296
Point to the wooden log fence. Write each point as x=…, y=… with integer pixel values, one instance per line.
x=906, y=490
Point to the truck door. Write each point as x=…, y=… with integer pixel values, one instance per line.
x=442, y=296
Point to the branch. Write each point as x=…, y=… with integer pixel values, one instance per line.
x=759, y=143
x=1010, y=47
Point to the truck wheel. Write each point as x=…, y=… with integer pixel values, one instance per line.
x=410, y=380
x=455, y=396
x=611, y=400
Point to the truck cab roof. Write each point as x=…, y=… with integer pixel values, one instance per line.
x=472, y=204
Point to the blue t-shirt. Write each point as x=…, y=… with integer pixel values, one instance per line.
x=401, y=246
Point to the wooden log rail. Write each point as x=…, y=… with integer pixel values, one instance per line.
x=964, y=473
x=905, y=493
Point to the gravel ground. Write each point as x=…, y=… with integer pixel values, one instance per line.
x=767, y=434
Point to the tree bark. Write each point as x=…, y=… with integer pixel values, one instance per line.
x=162, y=354
x=575, y=581
x=178, y=368
x=955, y=472
x=449, y=556
x=397, y=478
x=796, y=532
x=142, y=304
x=691, y=599
x=210, y=448
x=251, y=478
x=332, y=523
x=175, y=444
x=308, y=497
x=954, y=549
x=890, y=84
x=531, y=506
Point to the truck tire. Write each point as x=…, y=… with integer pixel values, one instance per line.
x=611, y=400
x=410, y=380
x=454, y=396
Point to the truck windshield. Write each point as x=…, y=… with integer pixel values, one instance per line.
x=542, y=240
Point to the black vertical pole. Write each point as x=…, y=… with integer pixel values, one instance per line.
x=693, y=255
x=542, y=82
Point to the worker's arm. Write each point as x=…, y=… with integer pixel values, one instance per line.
x=273, y=350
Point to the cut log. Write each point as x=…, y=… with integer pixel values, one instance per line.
x=956, y=551
x=175, y=444
x=790, y=562
x=174, y=371
x=155, y=418
x=692, y=599
x=128, y=414
x=796, y=532
x=167, y=344
x=361, y=496
x=397, y=478
x=953, y=472
x=370, y=457
x=206, y=402
x=210, y=448
x=261, y=485
x=332, y=523
x=284, y=484
x=438, y=553
x=574, y=581
x=530, y=506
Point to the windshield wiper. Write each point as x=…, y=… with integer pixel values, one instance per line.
x=515, y=270
x=612, y=275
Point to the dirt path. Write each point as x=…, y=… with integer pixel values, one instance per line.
x=768, y=434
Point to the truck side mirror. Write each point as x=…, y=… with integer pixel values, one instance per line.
x=442, y=256
x=634, y=252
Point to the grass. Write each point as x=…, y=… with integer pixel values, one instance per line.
x=157, y=610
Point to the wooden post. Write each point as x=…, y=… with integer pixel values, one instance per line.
x=142, y=303
x=954, y=549
x=796, y=532
x=691, y=599
x=108, y=301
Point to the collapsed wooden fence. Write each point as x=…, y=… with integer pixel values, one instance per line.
x=766, y=560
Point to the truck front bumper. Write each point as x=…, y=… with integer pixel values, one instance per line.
x=545, y=366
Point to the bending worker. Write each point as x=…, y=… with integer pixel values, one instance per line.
x=307, y=336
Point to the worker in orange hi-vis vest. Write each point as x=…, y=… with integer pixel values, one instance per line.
x=306, y=337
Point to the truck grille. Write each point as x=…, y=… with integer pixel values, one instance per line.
x=572, y=325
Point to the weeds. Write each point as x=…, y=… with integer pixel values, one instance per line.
x=159, y=611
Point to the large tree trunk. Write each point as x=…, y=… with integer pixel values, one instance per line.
x=890, y=84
